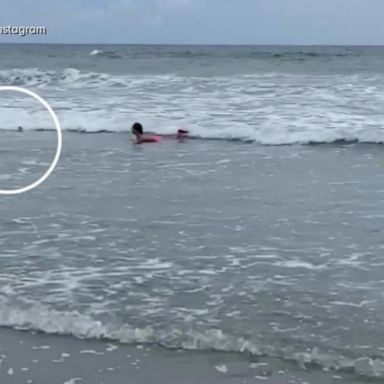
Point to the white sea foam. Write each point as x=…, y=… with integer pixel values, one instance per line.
x=95, y=52
x=299, y=264
x=222, y=368
x=91, y=352
x=73, y=380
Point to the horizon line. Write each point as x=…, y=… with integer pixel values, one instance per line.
x=199, y=44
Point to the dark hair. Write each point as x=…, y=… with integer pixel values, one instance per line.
x=138, y=128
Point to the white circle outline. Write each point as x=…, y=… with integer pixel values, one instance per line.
x=59, y=141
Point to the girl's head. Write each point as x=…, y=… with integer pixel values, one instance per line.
x=137, y=129
x=182, y=134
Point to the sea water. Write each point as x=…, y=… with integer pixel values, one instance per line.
x=247, y=239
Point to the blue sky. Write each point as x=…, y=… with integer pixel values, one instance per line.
x=199, y=21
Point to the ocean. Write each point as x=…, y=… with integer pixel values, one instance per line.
x=249, y=253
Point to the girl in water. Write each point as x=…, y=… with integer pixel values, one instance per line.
x=141, y=137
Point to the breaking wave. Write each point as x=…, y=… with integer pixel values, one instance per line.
x=267, y=108
x=228, y=138
x=39, y=318
x=69, y=77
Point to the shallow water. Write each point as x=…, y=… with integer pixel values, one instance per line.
x=268, y=251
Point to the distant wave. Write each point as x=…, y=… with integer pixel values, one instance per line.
x=69, y=77
x=75, y=78
x=72, y=323
x=95, y=52
x=239, y=53
x=107, y=54
x=299, y=55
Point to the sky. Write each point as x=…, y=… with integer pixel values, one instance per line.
x=296, y=22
